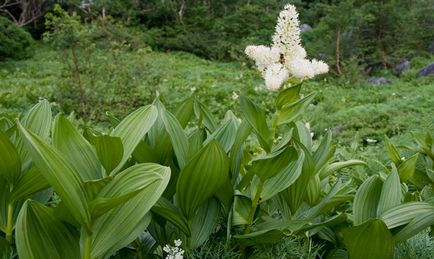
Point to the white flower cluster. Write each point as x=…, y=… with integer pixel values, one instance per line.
x=286, y=57
x=174, y=252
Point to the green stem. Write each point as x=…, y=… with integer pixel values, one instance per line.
x=255, y=204
x=88, y=246
x=10, y=222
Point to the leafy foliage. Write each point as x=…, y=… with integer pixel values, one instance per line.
x=15, y=43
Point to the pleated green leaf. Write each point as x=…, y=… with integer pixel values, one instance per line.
x=324, y=152
x=177, y=137
x=37, y=120
x=170, y=212
x=313, y=190
x=415, y=226
x=202, y=177
x=391, y=194
x=393, y=152
x=133, y=129
x=372, y=239
x=365, y=202
x=334, y=167
x=31, y=182
x=257, y=119
x=286, y=178
x=40, y=234
x=204, y=223
x=225, y=134
x=404, y=213
x=109, y=150
x=236, y=153
x=289, y=113
x=184, y=111
x=273, y=164
x=204, y=116
x=240, y=211
x=75, y=148
x=123, y=187
x=288, y=96
x=407, y=168
x=60, y=174
x=10, y=161
x=124, y=223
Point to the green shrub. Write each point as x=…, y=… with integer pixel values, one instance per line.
x=15, y=42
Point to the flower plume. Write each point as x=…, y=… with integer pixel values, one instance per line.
x=286, y=57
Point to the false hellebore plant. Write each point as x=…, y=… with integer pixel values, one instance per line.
x=160, y=176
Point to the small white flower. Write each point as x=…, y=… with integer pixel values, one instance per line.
x=174, y=252
x=275, y=76
x=178, y=242
x=319, y=67
x=193, y=89
x=234, y=97
x=301, y=68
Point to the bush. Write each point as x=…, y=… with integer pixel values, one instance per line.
x=15, y=42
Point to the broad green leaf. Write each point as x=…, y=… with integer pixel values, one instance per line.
x=303, y=135
x=406, y=168
x=59, y=173
x=241, y=210
x=10, y=162
x=170, y=212
x=257, y=119
x=372, y=239
x=124, y=223
x=145, y=154
x=75, y=148
x=324, y=152
x=415, y=226
x=204, y=116
x=273, y=164
x=334, y=167
x=204, y=175
x=123, y=187
x=366, y=201
x=133, y=129
x=296, y=193
x=313, y=190
x=289, y=113
x=184, y=111
x=288, y=96
x=31, y=182
x=393, y=152
x=391, y=193
x=225, y=134
x=236, y=153
x=204, y=223
x=177, y=137
x=286, y=178
x=37, y=120
x=404, y=213
x=109, y=151
x=40, y=234
x=94, y=187
x=195, y=142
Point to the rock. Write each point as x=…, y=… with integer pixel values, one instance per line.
x=305, y=27
x=431, y=47
x=379, y=80
x=404, y=65
x=428, y=70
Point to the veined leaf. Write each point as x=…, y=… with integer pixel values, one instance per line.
x=393, y=152
x=404, y=213
x=288, y=96
x=204, y=223
x=31, y=182
x=365, y=202
x=10, y=162
x=273, y=164
x=391, y=194
x=40, y=234
x=75, y=148
x=124, y=186
x=257, y=119
x=60, y=174
x=133, y=129
x=177, y=137
x=243, y=133
x=204, y=175
x=283, y=180
x=109, y=150
x=324, y=152
x=185, y=111
x=204, y=116
x=225, y=134
x=333, y=167
x=416, y=225
x=406, y=168
x=362, y=241
x=289, y=112
x=124, y=223
x=167, y=210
